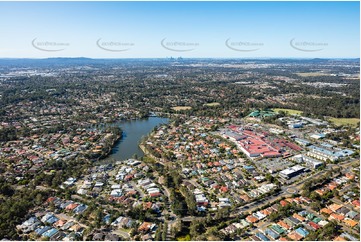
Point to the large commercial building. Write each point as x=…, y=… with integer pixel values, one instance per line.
x=253, y=144
x=292, y=172
x=313, y=163
x=302, y=141
x=323, y=154
x=295, y=125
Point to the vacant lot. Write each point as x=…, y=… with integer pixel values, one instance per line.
x=181, y=108
x=289, y=111
x=307, y=74
x=212, y=104
x=345, y=121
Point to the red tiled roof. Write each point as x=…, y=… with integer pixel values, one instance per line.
x=156, y=194
x=314, y=225
x=50, y=199
x=71, y=206
x=334, y=207
x=336, y=216
x=283, y=203
x=60, y=223
x=284, y=225
x=356, y=203
x=339, y=238
x=298, y=217
x=351, y=223
x=251, y=219
x=294, y=236
x=326, y=210
x=145, y=226
x=224, y=189
x=266, y=212
x=147, y=205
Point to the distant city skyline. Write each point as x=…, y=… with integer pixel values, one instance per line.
x=186, y=29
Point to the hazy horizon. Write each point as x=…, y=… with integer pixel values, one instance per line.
x=188, y=29
x=175, y=57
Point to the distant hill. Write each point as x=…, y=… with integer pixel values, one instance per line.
x=79, y=61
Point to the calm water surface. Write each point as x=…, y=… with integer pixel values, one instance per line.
x=133, y=131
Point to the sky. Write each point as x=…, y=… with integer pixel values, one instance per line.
x=186, y=29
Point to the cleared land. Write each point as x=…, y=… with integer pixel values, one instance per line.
x=345, y=121
x=184, y=238
x=307, y=74
x=212, y=104
x=181, y=108
x=289, y=111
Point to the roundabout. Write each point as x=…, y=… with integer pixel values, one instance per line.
x=291, y=190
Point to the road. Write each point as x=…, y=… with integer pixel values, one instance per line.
x=169, y=236
x=105, y=206
x=194, y=183
x=63, y=216
x=251, y=206
x=145, y=151
x=286, y=191
x=346, y=188
x=137, y=189
x=335, y=200
x=248, y=208
x=329, y=167
x=161, y=182
x=344, y=227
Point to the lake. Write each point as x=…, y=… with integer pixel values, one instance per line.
x=133, y=131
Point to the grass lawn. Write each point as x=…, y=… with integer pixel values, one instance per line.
x=181, y=108
x=125, y=230
x=289, y=111
x=345, y=121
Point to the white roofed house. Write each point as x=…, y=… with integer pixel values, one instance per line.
x=149, y=186
x=116, y=193
x=82, y=191
x=144, y=182
x=115, y=186
x=70, y=181
x=200, y=198
x=98, y=184
x=224, y=202
x=87, y=185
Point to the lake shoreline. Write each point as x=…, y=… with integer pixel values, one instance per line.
x=129, y=143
